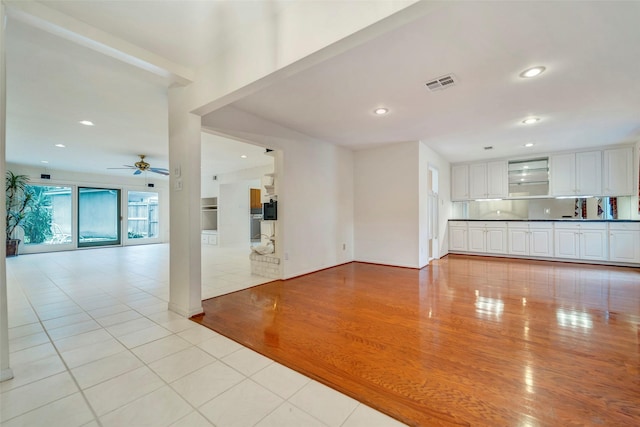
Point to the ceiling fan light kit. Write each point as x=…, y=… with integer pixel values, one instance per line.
x=142, y=166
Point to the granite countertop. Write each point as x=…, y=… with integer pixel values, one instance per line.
x=549, y=220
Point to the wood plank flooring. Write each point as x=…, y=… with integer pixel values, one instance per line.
x=467, y=341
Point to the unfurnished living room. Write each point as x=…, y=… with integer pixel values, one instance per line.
x=320, y=213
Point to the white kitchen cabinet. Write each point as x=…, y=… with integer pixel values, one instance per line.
x=530, y=239
x=460, y=182
x=458, y=236
x=478, y=181
x=624, y=242
x=541, y=239
x=576, y=174
x=587, y=241
x=497, y=180
x=618, y=173
x=488, y=180
x=488, y=237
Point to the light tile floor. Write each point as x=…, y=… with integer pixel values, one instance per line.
x=93, y=344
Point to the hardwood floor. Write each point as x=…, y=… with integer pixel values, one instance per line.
x=466, y=341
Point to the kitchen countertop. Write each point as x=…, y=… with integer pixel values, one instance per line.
x=549, y=220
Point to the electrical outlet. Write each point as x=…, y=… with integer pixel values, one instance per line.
x=286, y=256
x=344, y=246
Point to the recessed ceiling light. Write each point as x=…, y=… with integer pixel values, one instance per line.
x=243, y=157
x=60, y=145
x=532, y=72
x=86, y=122
x=44, y=161
x=528, y=144
x=531, y=120
x=381, y=111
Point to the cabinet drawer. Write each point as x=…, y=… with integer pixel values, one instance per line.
x=580, y=225
x=624, y=226
x=457, y=223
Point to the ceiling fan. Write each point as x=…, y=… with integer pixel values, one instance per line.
x=142, y=166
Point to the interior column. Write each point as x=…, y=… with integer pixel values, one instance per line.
x=185, y=292
x=5, y=371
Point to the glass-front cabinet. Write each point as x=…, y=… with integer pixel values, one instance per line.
x=529, y=177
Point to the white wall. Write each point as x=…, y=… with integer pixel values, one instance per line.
x=387, y=204
x=233, y=214
x=315, y=191
x=430, y=157
x=211, y=187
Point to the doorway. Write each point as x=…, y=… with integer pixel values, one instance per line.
x=99, y=217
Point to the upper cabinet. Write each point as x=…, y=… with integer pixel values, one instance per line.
x=618, y=172
x=607, y=172
x=479, y=181
x=576, y=174
x=529, y=178
x=460, y=182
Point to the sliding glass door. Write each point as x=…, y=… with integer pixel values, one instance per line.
x=98, y=216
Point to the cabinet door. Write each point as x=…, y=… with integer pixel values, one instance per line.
x=518, y=241
x=618, y=172
x=593, y=245
x=460, y=182
x=477, y=239
x=589, y=173
x=562, y=175
x=497, y=180
x=624, y=246
x=541, y=242
x=478, y=181
x=566, y=244
x=457, y=239
x=496, y=240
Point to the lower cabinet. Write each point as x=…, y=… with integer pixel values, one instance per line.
x=530, y=239
x=617, y=242
x=458, y=236
x=624, y=242
x=586, y=241
x=488, y=237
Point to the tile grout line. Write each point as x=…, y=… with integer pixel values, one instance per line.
x=68, y=370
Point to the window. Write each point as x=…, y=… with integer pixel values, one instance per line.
x=49, y=221
x=142, y=215
x=98, y=216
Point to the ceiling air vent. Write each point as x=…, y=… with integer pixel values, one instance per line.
x=442, y=82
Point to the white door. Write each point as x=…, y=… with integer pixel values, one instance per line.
x=593, y=245
x=460, y=182
x=562, y=175
x=624, y=246
x=618, y=172
x=589, y=173
x=566, y=244
x=518, y=241
x=496, y=240
x=541, y=242
x=478, y=181
x=497, y=180
x=457, y=239
x=477, y=239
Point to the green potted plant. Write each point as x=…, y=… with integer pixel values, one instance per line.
x=18, y=202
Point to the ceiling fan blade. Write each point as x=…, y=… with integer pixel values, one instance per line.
x=161, y=171
x=137, y=172
x=128, y=167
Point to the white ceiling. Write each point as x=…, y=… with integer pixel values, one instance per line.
x=589, y=95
